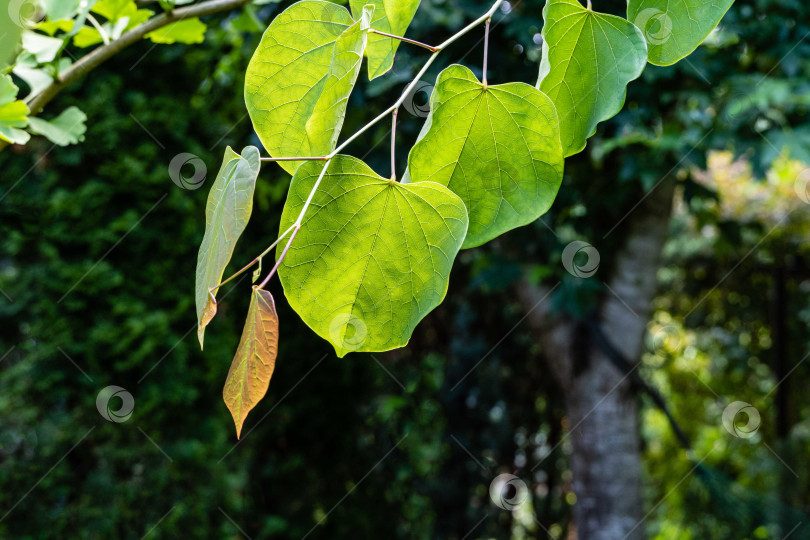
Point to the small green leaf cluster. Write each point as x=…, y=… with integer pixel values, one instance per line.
x=44, y=29
x=368, y=257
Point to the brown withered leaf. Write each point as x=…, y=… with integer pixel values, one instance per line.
x=208, y=314
x=255, y=358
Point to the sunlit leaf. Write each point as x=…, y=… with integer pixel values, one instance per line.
x=675, y=28
x=112, y=10
x=230, y=203
x=185, y=31
x=51, y=27
x=588, y=60
x=392, y=17
x=496, y=147
x=255, y=359
x=13, y=113
x=373, y=256
x=67, y=128
x=87, y=36
x=299, y=79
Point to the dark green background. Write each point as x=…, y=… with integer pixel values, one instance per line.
x=318, y=445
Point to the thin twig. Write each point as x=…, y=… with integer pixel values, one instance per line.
x=101, y=54
x=297, y=225
x=281, y=258
x=254, y=261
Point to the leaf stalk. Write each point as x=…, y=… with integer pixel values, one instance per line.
x=405, y=40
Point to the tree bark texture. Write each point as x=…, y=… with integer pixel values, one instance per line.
x=601, y=403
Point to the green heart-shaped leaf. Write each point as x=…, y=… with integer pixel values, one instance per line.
x=372, y=258
x=227, y=212
x=675, y=28
x=299, y=79
x=496, y=147
x=588, y=60
x=392, y=17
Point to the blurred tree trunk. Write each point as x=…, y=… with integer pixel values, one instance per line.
x=601, y=403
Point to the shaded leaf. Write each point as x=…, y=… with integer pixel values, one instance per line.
x=26, y=69
x=299, y=79
x=227, y=212
x=257, y=273
x=60, y=9
x=496, y=147
x=43, y=48
x=675, y=28
x=588, y=60
x=185, y=31
x=255, y=359
x=372, y=258
x=67, y=128
x=392, y=17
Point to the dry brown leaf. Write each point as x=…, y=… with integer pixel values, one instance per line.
x=255, y=358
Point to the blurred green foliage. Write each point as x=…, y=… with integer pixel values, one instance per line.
x=97, y=253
